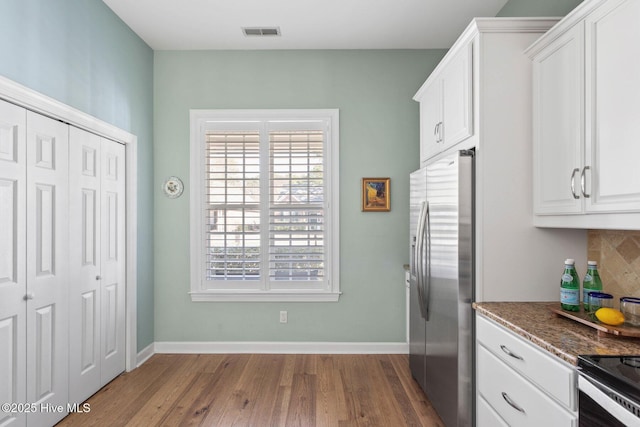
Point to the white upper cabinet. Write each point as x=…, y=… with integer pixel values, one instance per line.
x=612, y=99
x=446, y=107
x=558, y=125
x=586, y=92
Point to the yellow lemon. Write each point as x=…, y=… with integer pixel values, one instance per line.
x=610, y=316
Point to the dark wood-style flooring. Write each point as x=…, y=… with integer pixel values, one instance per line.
x=262, y=390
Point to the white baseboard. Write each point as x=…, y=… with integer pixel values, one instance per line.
x=145, y=354
x=283, y=347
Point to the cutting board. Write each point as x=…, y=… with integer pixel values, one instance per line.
x=603, y=330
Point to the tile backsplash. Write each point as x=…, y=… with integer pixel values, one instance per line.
x=618, y=256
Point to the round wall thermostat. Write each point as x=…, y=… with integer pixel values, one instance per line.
x=172, y=187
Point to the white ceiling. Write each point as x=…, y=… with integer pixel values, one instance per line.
x=304, y=24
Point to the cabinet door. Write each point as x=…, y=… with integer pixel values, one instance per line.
x=457, y=117
x=558, y=124
x=84, y=260
x=613, y=106
x=430, y=120
x=13, y=286
x=47, y=268
x=514, y=398
x=486, y=416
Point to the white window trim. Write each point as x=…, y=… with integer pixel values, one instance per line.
x=199, y=292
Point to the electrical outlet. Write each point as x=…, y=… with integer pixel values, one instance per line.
x=283, y=317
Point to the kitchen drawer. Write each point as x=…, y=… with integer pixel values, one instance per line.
x=551, y=374
x=498, y=384
x=486, y=416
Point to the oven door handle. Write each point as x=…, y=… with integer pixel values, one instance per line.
x=600, y=394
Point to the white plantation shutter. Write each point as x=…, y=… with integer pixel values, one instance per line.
x=232, y=218
x=268, y=228
x=296, y=209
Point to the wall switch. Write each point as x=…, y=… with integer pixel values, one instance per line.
x=283, y=317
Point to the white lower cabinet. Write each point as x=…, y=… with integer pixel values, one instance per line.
x=519, y=384
x=487, y=416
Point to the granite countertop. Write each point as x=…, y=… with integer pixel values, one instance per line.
x=560, y=336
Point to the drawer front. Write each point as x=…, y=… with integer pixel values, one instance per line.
x=486, y=416
x=551, y=374
x=517, y=401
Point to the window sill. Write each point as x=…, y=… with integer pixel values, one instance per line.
x=258, y=296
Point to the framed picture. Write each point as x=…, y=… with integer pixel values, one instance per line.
x=376, y=194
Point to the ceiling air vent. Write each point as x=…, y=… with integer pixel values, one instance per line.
x=261, y=31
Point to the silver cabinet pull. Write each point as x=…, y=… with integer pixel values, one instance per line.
x=438, y=127
x=511, y=403
x=573, y=183
x=98, y=277
x=435, y=131
x=509, y=352
x=582, y=182
x=29, y=295
x=440, y=131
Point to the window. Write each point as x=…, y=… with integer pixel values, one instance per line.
x=264, y=205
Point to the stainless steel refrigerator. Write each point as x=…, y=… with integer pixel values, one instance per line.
x=442, y=283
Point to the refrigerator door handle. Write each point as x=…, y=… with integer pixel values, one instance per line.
x=415, y=268
x=426, y=258
x=419, y=259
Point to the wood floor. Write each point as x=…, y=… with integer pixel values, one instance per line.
x=262, y=390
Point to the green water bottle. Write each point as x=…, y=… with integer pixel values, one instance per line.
x=591, y=283
x=570, y=287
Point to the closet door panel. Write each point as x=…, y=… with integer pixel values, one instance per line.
x=12, y=260
x=47, y=270
x=113, y=260
x=84, y=257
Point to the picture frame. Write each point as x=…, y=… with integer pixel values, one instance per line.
x=376, y=194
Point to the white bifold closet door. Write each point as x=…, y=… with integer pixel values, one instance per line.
x=97, y=259
x=13, y=279
x=47, y=268
x=33, y=267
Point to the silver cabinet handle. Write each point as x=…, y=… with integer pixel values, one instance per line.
x=29, y=295
x=98, y=277
x=573, y=183
x=435, y=132
x=440, y=131
x=509, y=352
x=511, y=403
x=582, y=182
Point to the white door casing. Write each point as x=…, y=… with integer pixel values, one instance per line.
x=34, y=101
x=47, y=267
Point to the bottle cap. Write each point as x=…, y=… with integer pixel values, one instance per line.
x=594, y=263
x=569, y=261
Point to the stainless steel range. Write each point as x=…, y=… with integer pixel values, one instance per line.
x=609, y=390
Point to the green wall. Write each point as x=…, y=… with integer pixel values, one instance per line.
x=81, y=54
x=379, y=136
x=538, y=7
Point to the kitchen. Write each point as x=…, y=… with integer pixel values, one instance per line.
x=373, y=89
